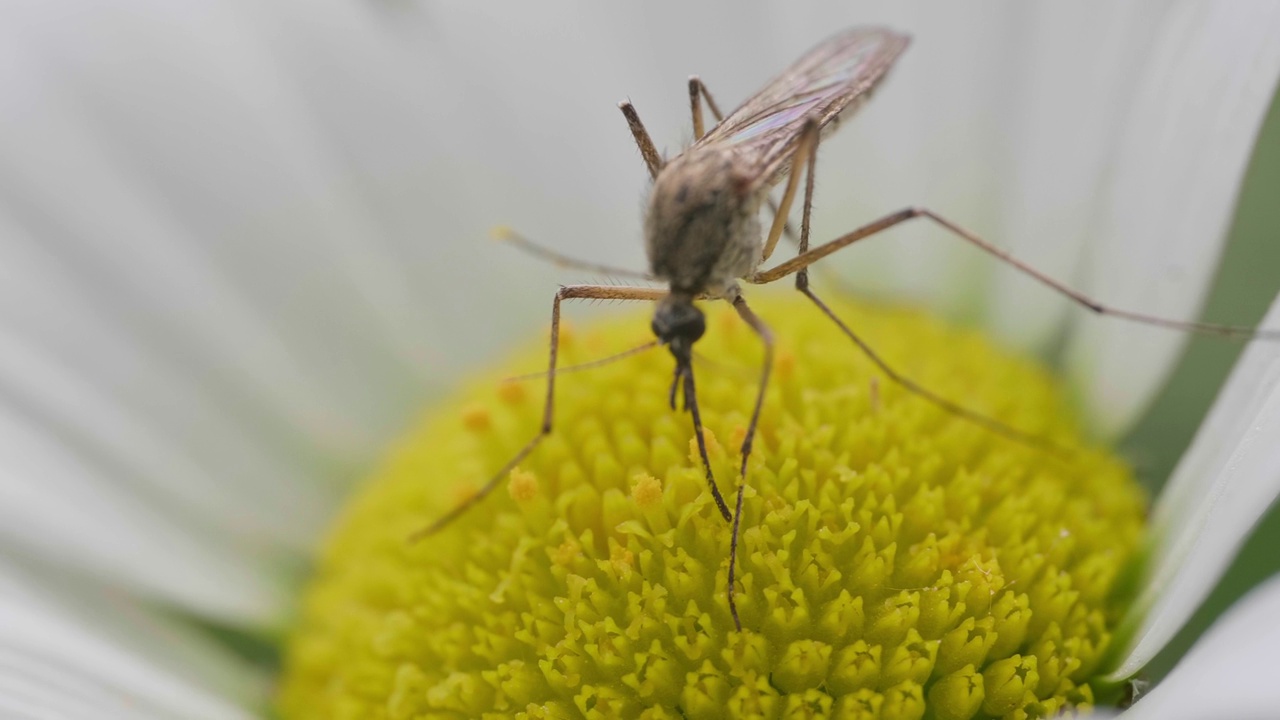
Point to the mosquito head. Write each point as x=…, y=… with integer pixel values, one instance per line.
x=678, y=325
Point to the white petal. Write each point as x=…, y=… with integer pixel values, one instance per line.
x=213, y=220
x=1058, y=139
x=201, y=338
x=923, y=139
x=1187, y=139
x=71, y=382
x=69, y=513
x=1230, y=673
x=70, y=651
x=1222, y=486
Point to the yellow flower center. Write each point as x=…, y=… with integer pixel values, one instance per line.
x=897, y=562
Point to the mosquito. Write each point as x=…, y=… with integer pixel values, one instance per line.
x=704, y=239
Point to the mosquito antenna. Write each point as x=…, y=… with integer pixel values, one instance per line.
x=587, y=365
x=566, y=292
x=511, y=237
x=707, y=361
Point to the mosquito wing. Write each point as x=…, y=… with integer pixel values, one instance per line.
x=839, y=73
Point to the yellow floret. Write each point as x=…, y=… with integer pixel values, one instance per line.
x=896, y=561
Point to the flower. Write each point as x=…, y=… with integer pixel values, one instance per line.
x=234, y=268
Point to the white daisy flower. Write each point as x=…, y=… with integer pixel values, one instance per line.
x=239, y=252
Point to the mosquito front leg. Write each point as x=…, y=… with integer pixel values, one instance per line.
x=805, y=259
x=567, y=292
x=766, y=336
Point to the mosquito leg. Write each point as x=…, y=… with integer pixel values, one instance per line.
x=806, y=259
x=507, y=235
x=788, y=230
x=766, y=336
x=802, y=245
x=806, y=146
x=685, y=373
x=802, y=242
x=567, y=292
x=1032, y=440
x=652, y=159
x=697, y=93
x=802, y=284
x=809, y=257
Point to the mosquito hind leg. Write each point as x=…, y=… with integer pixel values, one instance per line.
x=567, y=292
x=1032, y=440
x=801, y=270
x=809, y=257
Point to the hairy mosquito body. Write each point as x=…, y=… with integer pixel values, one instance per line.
x=702, y=226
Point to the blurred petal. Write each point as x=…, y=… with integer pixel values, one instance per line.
x=1076, y=69
x=201, y=334
x=68, y=651
x=1230, y=673
x=69, y=513
x=1224, y=483
x=216, y=221
x=1170, y=198
x=928, y=139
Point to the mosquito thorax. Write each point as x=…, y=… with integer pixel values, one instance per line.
x=702, y=226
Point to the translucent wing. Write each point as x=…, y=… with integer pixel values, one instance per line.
x=826, y=81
